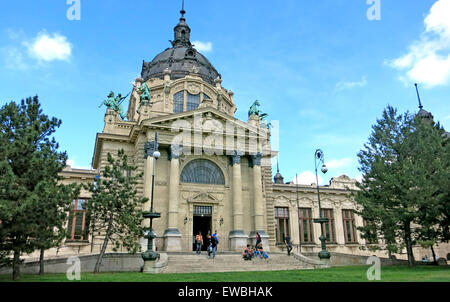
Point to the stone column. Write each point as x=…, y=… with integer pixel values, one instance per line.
x=339, y=225
x=258, y=201
x=238, y=239
x=149, y=147
x=172, y=236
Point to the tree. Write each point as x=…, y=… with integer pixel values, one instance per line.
x=115, y=206
x=431, y=168
x=29, y=160
x=57, y=199
x=402, y=192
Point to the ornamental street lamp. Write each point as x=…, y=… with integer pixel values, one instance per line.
x=318, y=159
x=151, y=255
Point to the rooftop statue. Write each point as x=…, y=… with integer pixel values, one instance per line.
x=145, y=96
x=144, y=92
x=115, y=103
x=255, y=111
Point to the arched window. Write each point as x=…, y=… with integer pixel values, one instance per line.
x=178, y=100
x=202, y=171
x=192, y=101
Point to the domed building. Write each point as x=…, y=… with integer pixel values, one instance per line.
x=214, y=172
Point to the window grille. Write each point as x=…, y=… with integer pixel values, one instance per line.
x=202, y=171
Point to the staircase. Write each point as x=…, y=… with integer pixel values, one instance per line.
x=230, y=262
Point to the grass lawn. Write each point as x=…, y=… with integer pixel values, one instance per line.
x=334, y=274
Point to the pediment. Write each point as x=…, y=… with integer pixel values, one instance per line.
x=199, y=119
x=202, y=197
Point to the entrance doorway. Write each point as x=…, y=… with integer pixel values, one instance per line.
x=202, y=224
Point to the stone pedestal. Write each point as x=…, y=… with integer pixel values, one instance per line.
x=155, y=266
x=149, y=267
x=238, y=240
x=172, y=240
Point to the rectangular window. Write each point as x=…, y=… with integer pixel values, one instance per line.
x=77, y=226
x=306, y=225
x=328, y=228
x=281, y=224
x=349, y=226
x=202, y=211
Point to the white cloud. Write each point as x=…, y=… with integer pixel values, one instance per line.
x=339, y=163
x=47, y=47
x=203, y=46
x=428, y=59
x=307, y=178
x=342, y=85
x=23, y=53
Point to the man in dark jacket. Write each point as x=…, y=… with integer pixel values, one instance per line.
x=288, y=242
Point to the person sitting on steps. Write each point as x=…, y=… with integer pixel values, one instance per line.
x=260, y=251
x=247, y=254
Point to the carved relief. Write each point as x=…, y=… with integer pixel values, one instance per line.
x=193, y=89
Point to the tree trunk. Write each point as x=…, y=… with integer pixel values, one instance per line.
x=16, y=265
x=434, y=255
x=408, y=242
x=105, y=243
x=41, y=262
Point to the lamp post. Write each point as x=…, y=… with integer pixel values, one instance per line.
x=151, y=255
x=318, y=159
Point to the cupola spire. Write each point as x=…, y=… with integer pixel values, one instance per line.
x=182, y=12
x=278, y=179
x=182, y=32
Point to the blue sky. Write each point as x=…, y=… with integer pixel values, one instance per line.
x=321, y=67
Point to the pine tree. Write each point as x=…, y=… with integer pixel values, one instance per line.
x=402, y=195
x=429, y=146
x=29, y=159
x=115, y=206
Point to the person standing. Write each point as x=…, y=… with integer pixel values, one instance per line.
x=288, y=243
x=199, y=243
x=216, y=238
x=213, y=246
x=258, y=240
x=209, y=248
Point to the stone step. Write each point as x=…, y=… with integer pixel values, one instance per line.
x=229, y=262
